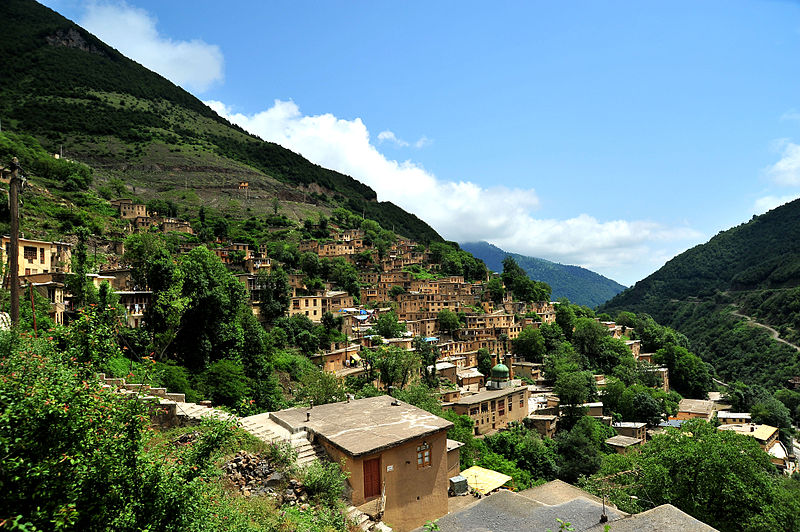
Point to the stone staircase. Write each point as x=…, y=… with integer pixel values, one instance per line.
x=263, y=427
x=170, y=409
x=363, y=522
x=177, y=411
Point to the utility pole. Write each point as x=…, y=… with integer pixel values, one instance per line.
x=13, y=205
x=33, y=309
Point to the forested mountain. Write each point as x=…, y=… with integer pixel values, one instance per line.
x=577, y=284
x=73, y=92
x=750, y=270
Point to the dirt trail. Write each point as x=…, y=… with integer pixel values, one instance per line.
x=772, y=331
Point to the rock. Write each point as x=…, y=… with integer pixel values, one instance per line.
x=275, y=479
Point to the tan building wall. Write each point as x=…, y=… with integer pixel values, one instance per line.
x=497, y=412
x=413, y=495
x=37, y=256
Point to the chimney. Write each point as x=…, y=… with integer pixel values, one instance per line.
x=510, y=363
x=494, y=360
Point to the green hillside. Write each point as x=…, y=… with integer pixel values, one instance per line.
x=577, y=284
x=750, y=270
x=75, y=93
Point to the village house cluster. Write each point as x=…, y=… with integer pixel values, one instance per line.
x=398, y=456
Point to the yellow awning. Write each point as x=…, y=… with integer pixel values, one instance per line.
x=355, y=357
x=484, y=480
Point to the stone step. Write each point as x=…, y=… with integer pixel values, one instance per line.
x=177, y=397
x=380, y=527
x=307, y=452
x=360, y=519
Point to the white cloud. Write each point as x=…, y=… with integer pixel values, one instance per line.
x=462, y=210
x=767, y=203
x=791, y=114
x=787, y=170
x=192, y=64
x=422, y=142
x=389, y=136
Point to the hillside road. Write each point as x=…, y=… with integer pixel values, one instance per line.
x=772, y=331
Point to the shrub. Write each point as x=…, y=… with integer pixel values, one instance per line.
x=325, y=481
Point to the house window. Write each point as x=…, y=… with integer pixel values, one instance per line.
x=473, y=411
x=484, y=407
x=522, y=401
x=510, y=404
x=41, y=255
x=423, y=456
x=494, y=406
x=29, y=253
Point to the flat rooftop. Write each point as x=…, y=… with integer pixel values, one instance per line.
x=759, y=432
x=628, y=425
x=623, y=441
x=696, y=406
x=488, y=395
x=658, y=519
x=365, y=425
x=505, y=511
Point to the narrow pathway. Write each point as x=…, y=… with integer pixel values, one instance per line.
x=774, y=333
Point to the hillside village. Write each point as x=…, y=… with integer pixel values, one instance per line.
x=206, y=331
x=479, y=350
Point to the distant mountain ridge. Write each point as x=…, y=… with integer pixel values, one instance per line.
x=577, y=284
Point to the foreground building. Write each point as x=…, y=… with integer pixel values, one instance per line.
x=396, y=455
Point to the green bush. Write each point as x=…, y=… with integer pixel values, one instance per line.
x=325, y=481
x=77, y=456
x=225, y=383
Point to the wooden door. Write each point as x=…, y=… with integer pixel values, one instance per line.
x=372, y=478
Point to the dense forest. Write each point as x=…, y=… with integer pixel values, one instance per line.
x=577, y=284
x=750, y=270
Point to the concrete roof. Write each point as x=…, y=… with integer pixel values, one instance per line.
x=735, y=415
x=664, y=517
x=623, y=441
x=487, y=395
x=759, y=432
x=364, y=426
x=696, y=406
x=453, y=445
x=557, y=492
x=506, y=511
x=628, y=425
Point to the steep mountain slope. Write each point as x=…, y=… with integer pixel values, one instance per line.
x=73, y=92
x=751, y=270
x=579, y=285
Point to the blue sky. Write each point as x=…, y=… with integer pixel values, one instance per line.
x=605, y=134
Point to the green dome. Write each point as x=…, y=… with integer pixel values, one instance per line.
x=500, y=372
